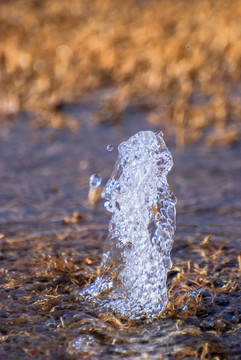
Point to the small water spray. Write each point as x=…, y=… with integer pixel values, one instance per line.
x=136, y=258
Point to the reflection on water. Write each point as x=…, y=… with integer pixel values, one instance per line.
x=52, y=240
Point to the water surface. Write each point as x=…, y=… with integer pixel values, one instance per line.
x=52, y=240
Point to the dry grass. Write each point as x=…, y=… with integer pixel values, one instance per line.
x=179, y=59
x=204, y=298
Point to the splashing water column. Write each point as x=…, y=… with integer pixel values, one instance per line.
x=136, y=258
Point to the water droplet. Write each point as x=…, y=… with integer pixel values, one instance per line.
x=95, y=181
x=109, y=147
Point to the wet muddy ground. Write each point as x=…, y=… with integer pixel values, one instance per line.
x=52, y=239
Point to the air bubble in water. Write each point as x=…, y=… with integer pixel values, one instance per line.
x=107, y=204
x=109, y=147
x=95, y=181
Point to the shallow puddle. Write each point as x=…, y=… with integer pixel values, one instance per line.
x=52, y=239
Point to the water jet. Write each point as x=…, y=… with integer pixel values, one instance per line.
x=136, y=257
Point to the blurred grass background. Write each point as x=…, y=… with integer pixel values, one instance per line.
x=181, y=60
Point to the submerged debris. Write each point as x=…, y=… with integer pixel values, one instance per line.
x=203, y=312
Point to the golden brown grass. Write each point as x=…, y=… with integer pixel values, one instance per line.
x=179, y=59
x=204, y=295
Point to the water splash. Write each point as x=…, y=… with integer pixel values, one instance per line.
x=136, y=258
